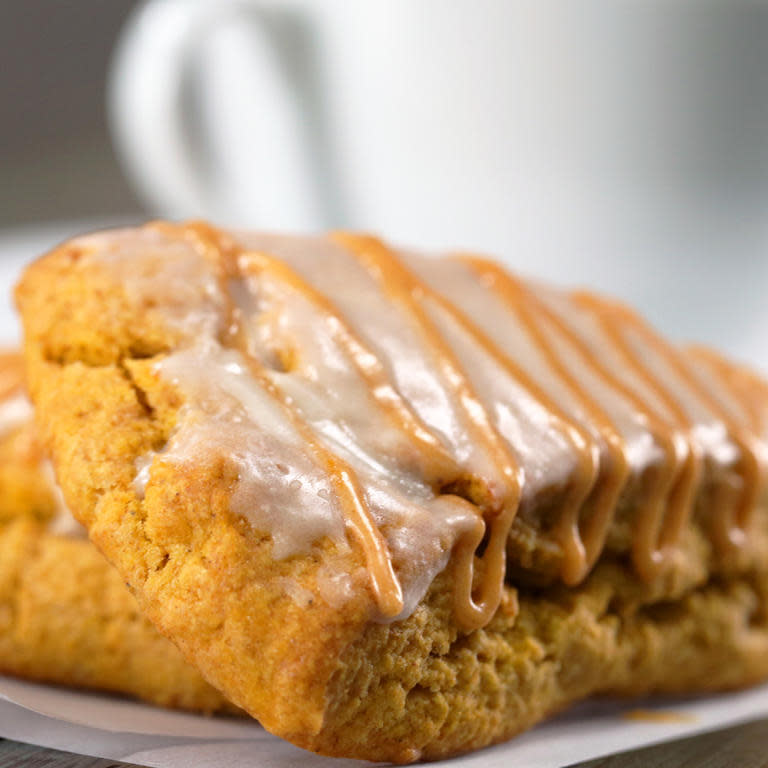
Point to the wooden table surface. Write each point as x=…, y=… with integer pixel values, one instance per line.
x=742, y=746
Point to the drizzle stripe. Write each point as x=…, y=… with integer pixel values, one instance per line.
x=647, y=556
x=386, y=586
x=406, y=289
x=749, y=465
x=576, y=562
x=683, y=493
x=437, y=465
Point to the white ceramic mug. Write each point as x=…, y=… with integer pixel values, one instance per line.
x=603, y=142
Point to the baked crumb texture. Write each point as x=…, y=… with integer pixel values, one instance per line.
x=65, y=614
x=314, y=665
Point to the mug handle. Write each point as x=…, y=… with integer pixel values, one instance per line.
x=180, y=171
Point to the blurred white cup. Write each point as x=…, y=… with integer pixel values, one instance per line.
x=619, y=144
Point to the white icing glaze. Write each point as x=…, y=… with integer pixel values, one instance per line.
x=143, y=467
x=498, y=321
x=158, y=270
x=280, y=488
x=389, y=334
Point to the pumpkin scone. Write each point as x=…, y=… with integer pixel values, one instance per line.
x=399, y=507
x=65, y=614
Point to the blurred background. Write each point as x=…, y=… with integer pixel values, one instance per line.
x=616, y=144
x=56, y=157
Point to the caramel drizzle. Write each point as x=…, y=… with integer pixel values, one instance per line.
x=403, y=287
x=580, y=550
x=648, y=558
x=436, y=465
x=648, y=553
x=751, y=393
x=223, y=253
x=683, y=493
x=736, y=517
x=576, y=562
x=748, y=388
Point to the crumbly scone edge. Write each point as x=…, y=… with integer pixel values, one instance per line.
x=67, y=618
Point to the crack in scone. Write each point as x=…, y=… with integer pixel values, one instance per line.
x=359, y=446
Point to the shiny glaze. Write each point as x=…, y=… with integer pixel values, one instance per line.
x=421, y=405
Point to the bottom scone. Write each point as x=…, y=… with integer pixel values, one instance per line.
x=65, y=615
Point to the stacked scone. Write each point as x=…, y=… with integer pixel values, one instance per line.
x=395, y=507
x=65, y=614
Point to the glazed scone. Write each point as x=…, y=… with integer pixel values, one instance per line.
x=65, y=614
x=399, y=507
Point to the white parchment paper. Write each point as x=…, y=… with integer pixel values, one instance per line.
x=105, y=726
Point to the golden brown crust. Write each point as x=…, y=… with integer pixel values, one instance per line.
x=201, y=575
x=66, y=617
x=65, y=614
x=24, y=492
x=325, y=677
